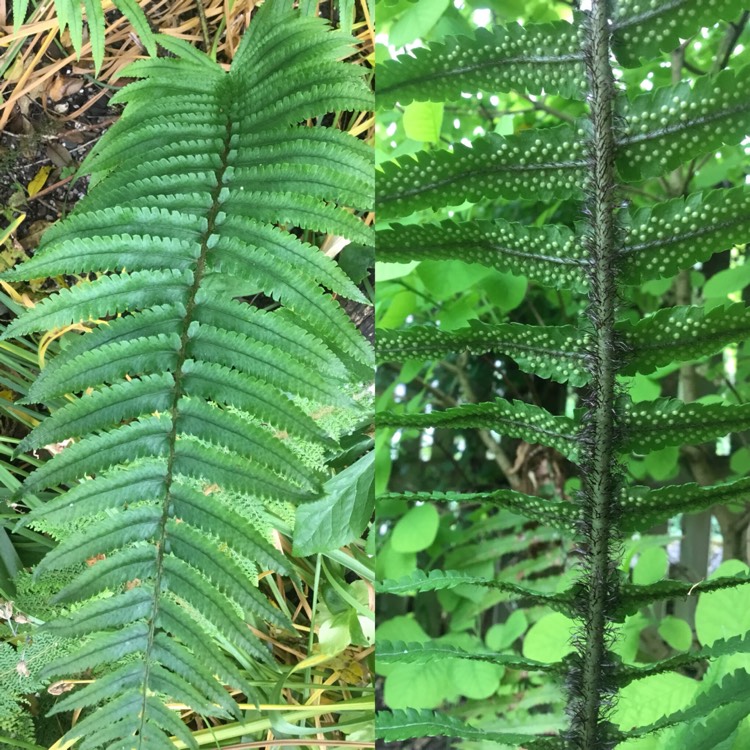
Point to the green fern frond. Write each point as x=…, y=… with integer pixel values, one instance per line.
x=522, y=165
x=548, y=254
x=556, y=513
x=528, y=58
x=652, y=425
x=739, y=644
x=648, y=506
x=392, y=652
x=195, y=405
x=673, y=124
x=665, y=238
x=547, y=351
x=404, y=724
x=683, y=334
x=516, y=419
x=632, y=596
x=440, y=580
x=643, y=30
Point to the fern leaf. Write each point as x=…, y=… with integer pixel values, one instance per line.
x=733, y=688
x=658, y=424
x=673, y=235
x=103, y=614
x=527, y=58
x=137, y=18
x=104, y=408
x=547, y=254
x=106, y=296
x=557, y=513
x=643, y=30
x=683, y=334
x=738, y=644
x=95, y=21
x=673, y=124
x=523, y=165
x=69, y=16
x=651, y=506
x=20, y=8
x=516, y=419
x=200, y=416
x=392, y=652
x=406, y=724
x=633, y=597
x=550, y=352
x=439, y=580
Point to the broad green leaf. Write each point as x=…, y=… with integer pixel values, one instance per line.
x=548, y=639
x=721, y=615
x=676, y=632
x=416, y=530
x=503, y=635
x=416, y=22
x=341, y=515
x=423, y=121
x=728, y=281
x=651, y=566
x=735, y=687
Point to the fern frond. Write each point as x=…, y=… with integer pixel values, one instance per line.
x=672, y=235
x=405, y=724
x=632, y=597
x=683, y=334
x=547, y=351
x=733, y=688
x=392, y=652
x=653, y=425
x=439, y=580
x=524, y=165
x=528, y=58
x=643, y=30
x=556, y=513
x=644, y=505
x=548, y=254
x=738, y=644
x=198, y=417
x=673, y=124
x=516, y=419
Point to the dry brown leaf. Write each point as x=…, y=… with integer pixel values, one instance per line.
x=63, y=86
x=60, y=687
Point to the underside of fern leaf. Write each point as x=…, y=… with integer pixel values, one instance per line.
x=602, y=250
x=196, y=417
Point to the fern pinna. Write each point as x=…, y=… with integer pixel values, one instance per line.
x=622, y=141
x=200, y=413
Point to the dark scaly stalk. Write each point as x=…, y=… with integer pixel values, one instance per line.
x=592, y=691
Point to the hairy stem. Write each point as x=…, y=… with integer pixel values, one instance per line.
x=600, y=470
